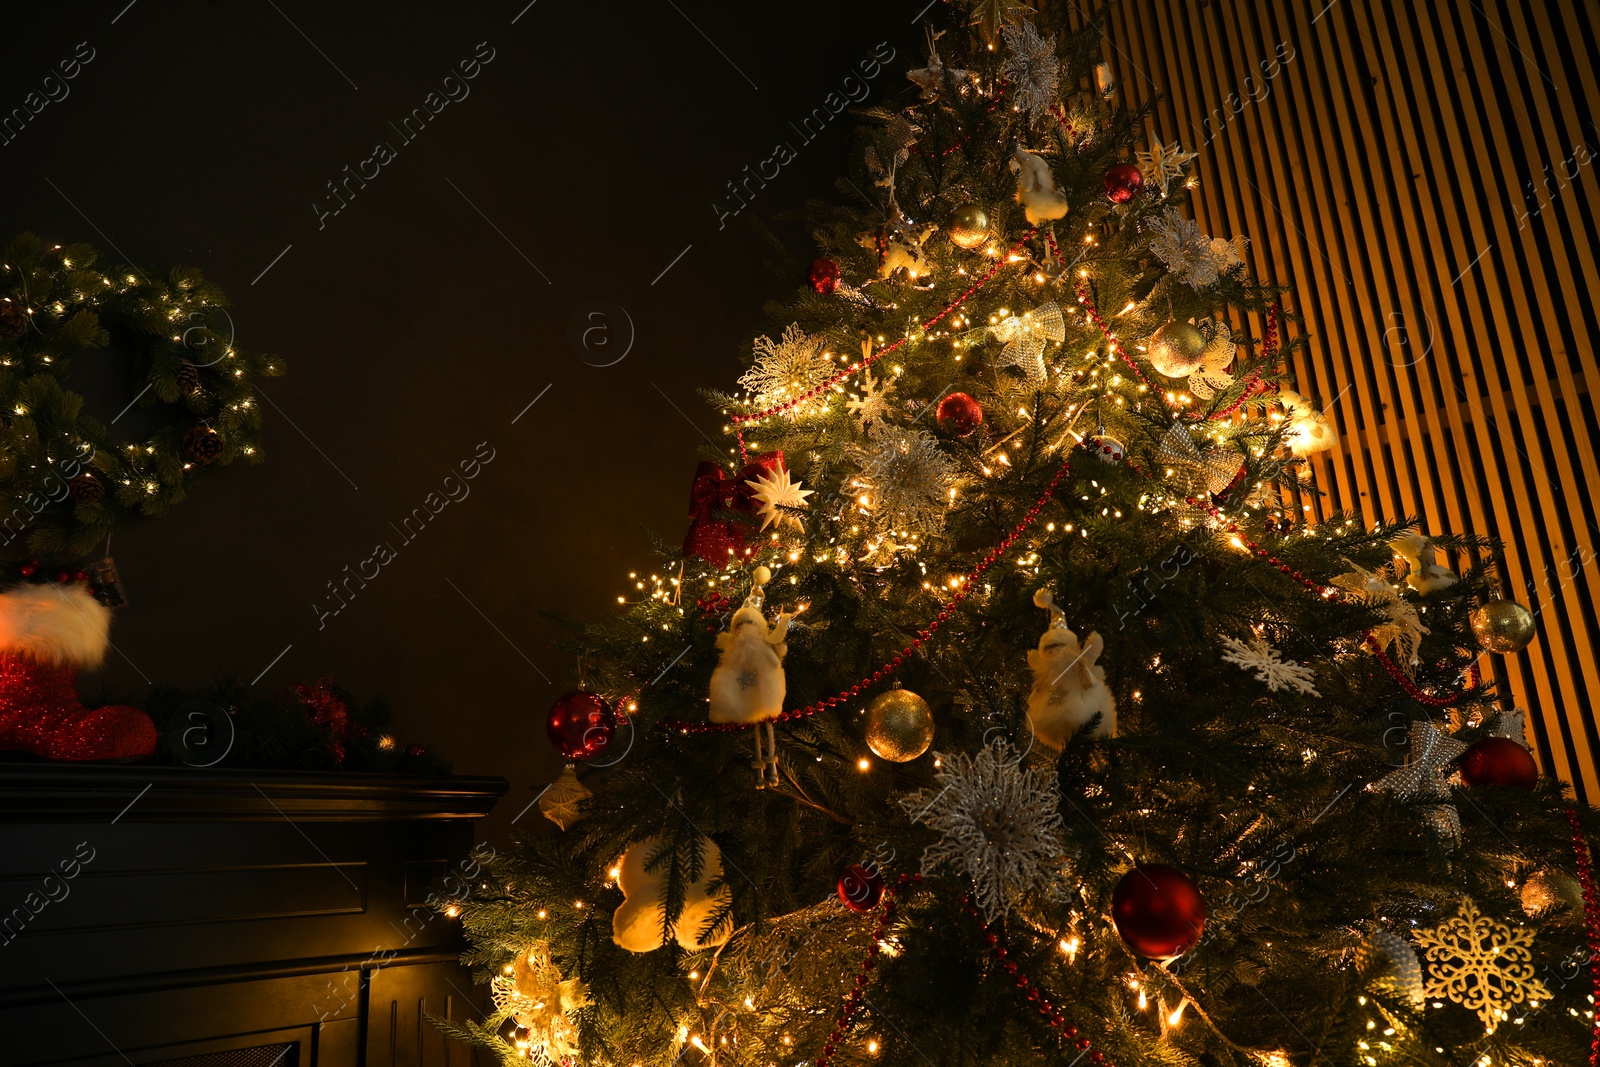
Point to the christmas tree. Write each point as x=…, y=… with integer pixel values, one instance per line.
x=1007, y=701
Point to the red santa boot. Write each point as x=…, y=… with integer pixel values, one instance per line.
x=47, y=632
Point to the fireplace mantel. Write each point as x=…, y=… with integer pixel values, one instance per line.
x=151, y=914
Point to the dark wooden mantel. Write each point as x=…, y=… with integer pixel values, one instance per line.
x=150, y=914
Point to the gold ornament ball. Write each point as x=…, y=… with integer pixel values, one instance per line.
x=1503, y=626
x=1175, y=349
x=899, y=725
x=968, y=226
x=1548, y=893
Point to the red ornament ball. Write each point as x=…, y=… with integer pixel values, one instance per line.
x=415, y=750
x=823, y=276
x=1498, y=761
x=959, y=414
x=860, y=887
x=1158, y=911
x=581, y=725
x=1123, y=182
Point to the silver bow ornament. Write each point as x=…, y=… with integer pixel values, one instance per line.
x=1026, y=335
x=1192, y=471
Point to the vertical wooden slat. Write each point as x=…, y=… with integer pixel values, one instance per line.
x=1449, y=284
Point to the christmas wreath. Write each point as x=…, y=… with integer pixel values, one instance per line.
x=65, y=481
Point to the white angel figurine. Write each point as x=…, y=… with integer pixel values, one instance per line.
x=1069, y=687
x=748, y=683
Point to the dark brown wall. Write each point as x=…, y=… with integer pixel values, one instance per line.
x=1423, y=174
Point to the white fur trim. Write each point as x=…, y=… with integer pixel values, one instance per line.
x=55, y=624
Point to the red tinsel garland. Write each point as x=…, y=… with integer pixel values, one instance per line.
x=1591, y=921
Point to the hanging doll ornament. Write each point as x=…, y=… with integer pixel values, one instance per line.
x=1037, y=192
x=1069, y=687
x=748, y=684
x=935, y=76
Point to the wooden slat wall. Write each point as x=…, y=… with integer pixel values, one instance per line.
x=1424, y=175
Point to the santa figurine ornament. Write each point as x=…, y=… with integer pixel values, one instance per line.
x=1069, y=687
x=748, y=684
x=51, y=624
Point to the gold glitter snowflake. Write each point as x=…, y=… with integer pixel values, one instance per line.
x=1483, y=965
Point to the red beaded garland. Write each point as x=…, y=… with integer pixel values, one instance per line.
x=862, y=364
x=922, y=635
x=848, y=1010
x=1048, y=1011
x=1591, y=918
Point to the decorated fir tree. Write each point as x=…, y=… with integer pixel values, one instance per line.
x=1006, y=703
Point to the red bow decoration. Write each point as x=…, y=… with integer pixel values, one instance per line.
x=326, y=710
x=712, y=535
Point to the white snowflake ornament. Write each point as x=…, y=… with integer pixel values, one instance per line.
x=1270, y=666
x=872, y=403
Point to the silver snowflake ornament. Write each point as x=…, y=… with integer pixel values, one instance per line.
x=787, y=367
x=904, y=477
x=1190, y=254
x=1033, y=69
x=999, y=824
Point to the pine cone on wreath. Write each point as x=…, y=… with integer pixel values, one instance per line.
x=188, y=379
x=202, y=444
x=85, y=489
x=13, y=319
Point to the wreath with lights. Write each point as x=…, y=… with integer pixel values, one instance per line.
x=66, y=479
